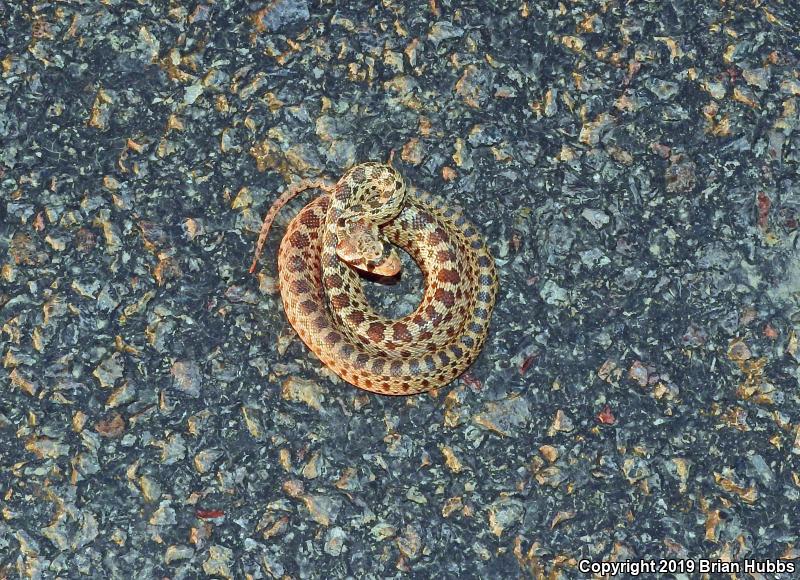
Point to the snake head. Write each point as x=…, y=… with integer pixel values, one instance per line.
x=388, y=266
x=362, y=246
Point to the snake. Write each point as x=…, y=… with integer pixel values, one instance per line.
x=352, y=230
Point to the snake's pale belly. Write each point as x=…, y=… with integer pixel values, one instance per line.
x=325, y=302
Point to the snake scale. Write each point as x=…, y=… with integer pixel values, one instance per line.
x=354, y=225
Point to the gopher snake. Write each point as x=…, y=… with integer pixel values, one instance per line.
x=349, y=228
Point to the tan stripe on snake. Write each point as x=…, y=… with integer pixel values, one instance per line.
x=353, y=226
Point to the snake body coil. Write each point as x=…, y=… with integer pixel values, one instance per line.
x=353, y=227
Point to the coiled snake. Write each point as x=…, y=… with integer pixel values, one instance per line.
x=353, y=226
